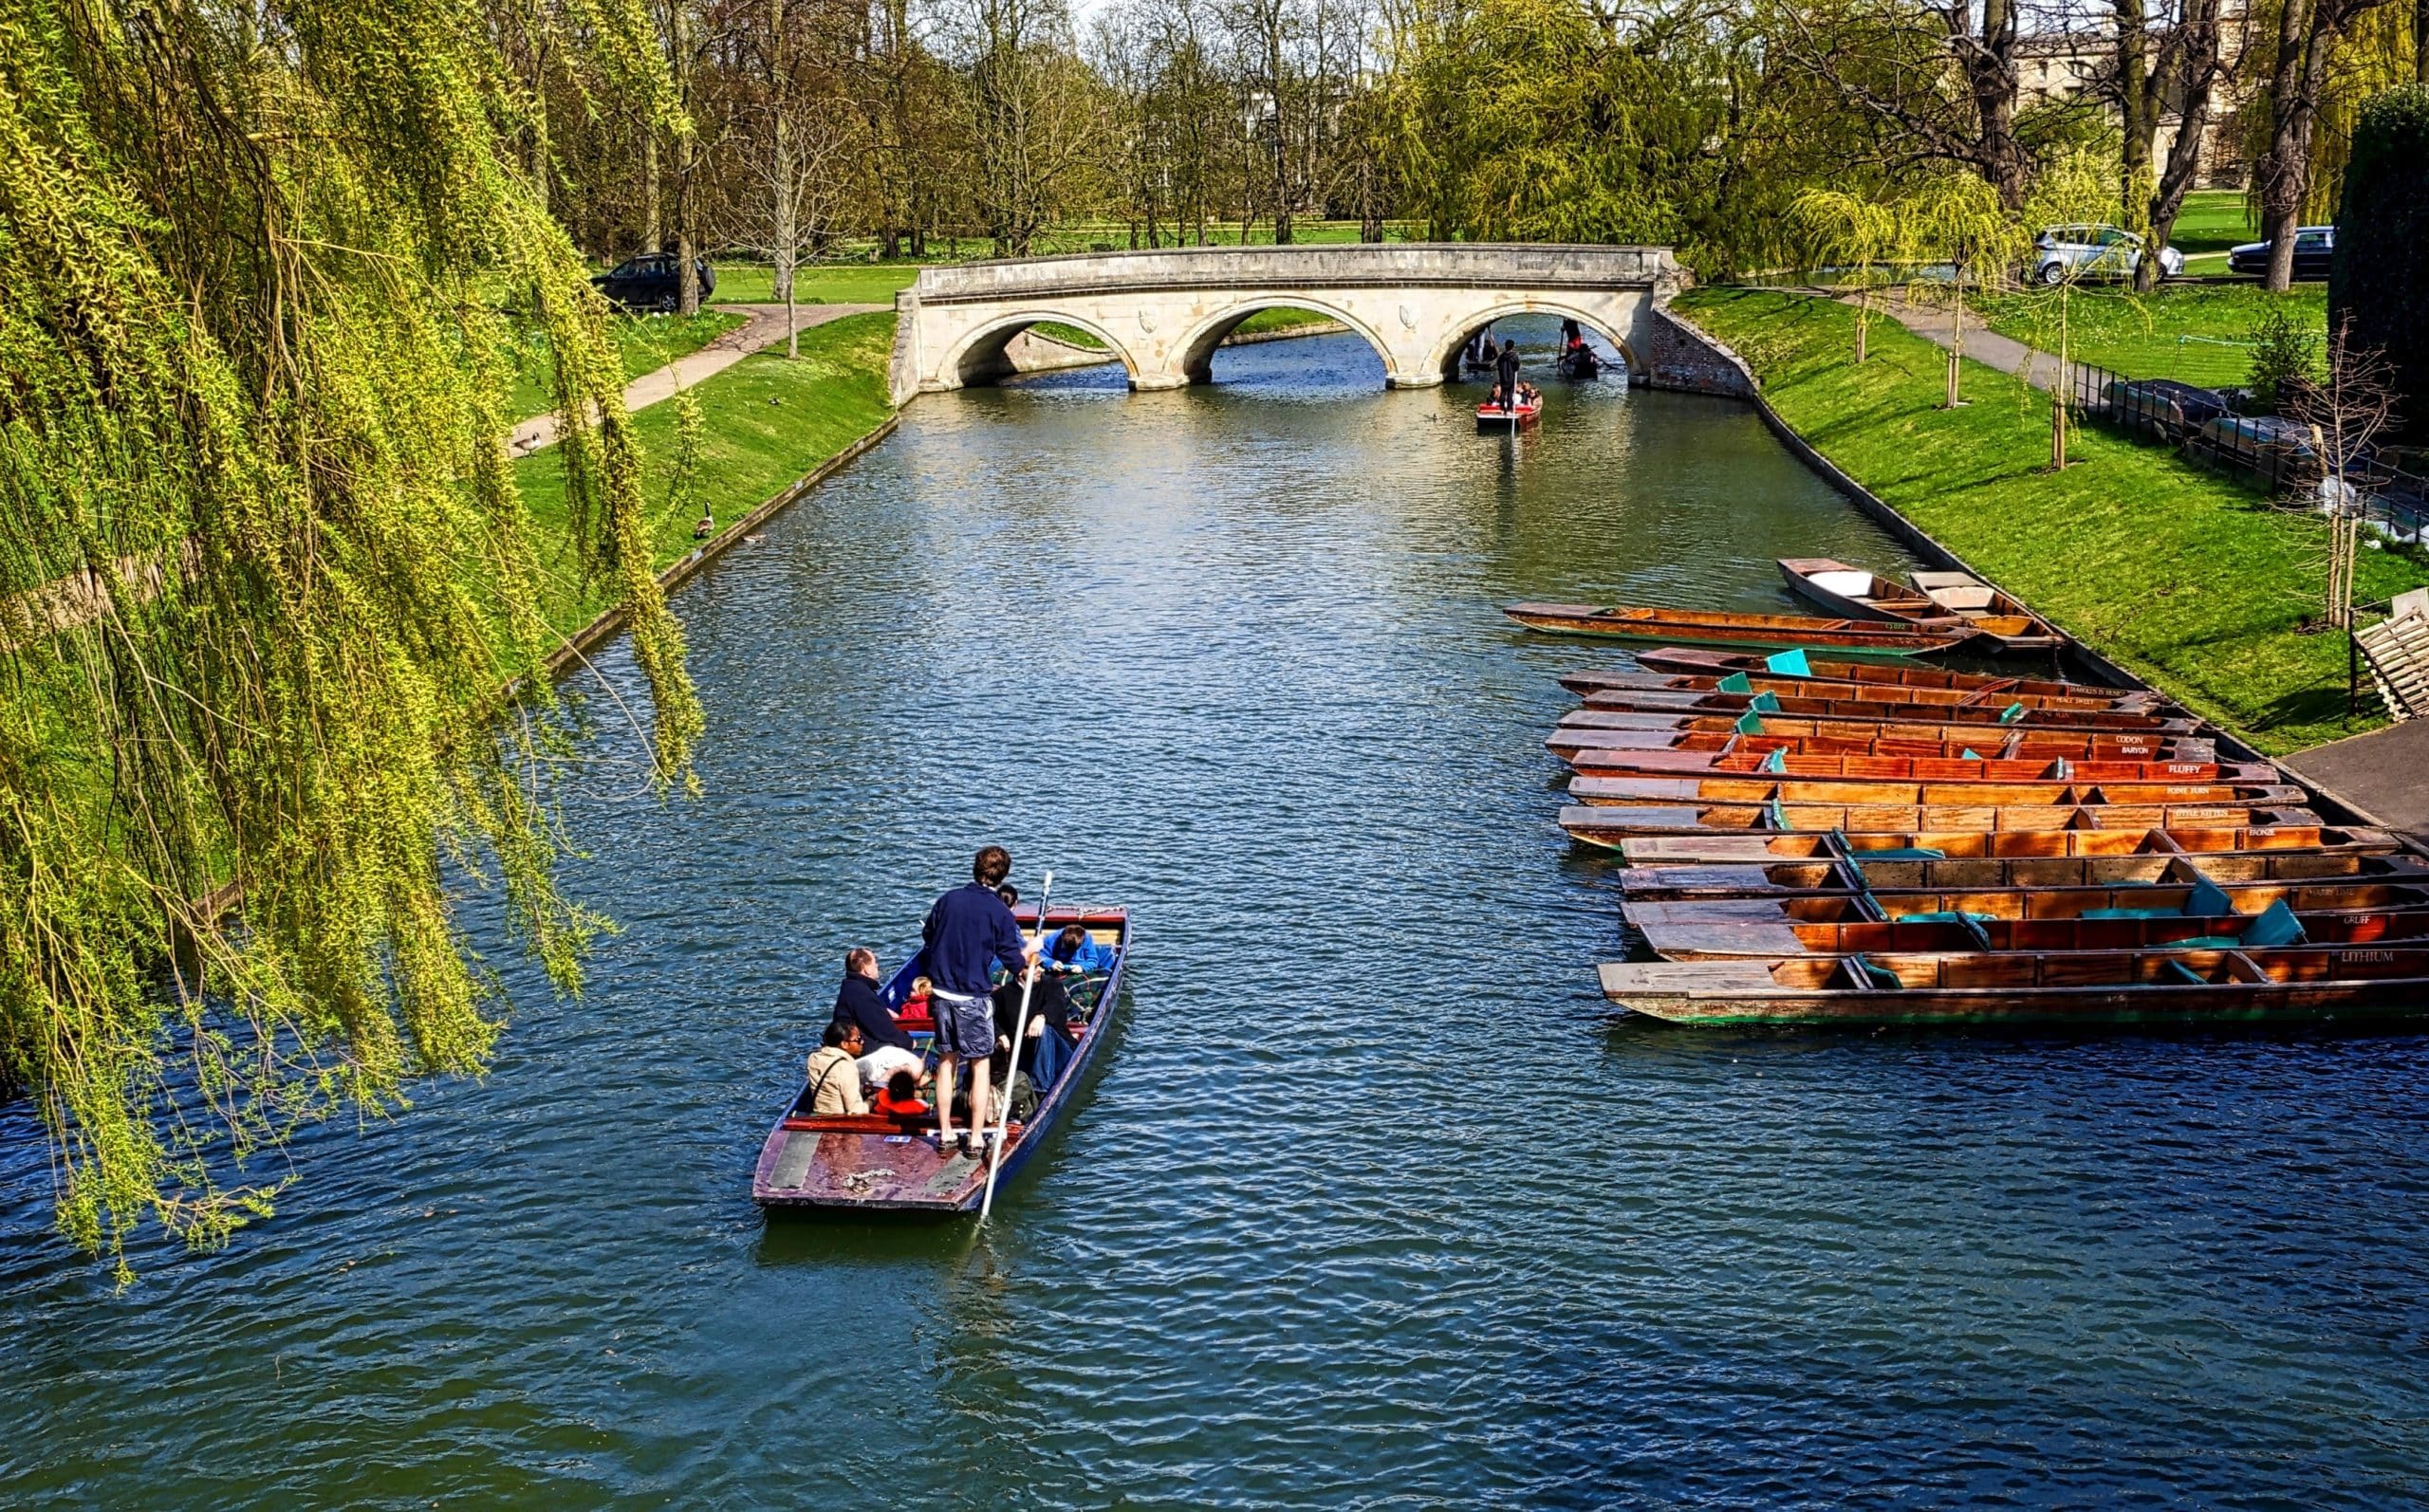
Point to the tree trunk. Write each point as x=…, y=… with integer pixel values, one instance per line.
x=784, y=178
x=2305, y=36
x=653, y=221
x=2138, y=102
x=1990, y=71
x=2192, y=63
x=687, y=276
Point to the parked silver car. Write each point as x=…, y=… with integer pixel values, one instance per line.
x=2094, y=252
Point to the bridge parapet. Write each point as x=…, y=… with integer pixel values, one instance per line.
x=1163, y=312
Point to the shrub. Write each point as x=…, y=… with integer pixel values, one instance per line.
x=2285, y=358
x=2380, y=279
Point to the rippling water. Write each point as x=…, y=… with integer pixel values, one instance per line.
x=1371, y=1204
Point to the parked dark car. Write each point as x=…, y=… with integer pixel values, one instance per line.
x=2277, y=449
x=2163, y=407
x=2314, y=249
x=648, y=282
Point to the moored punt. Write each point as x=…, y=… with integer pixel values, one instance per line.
x=1881, y=849
x=1757, y=732
x=1699, y=662
x=1722, y=929
x=2082, y=989
x=1610, y=826
x=1852, y=591
x=1592, y=685
x=1702, y=702
x=1714, y=627
x=1963, y=593
x=1763, y=789
x=2011, y=886
x=1796, y=766
x=872, y=1163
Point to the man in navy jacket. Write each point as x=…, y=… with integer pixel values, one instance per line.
x=968, y=932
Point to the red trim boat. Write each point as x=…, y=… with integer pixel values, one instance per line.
x=1492, y=417
x=873, y=1163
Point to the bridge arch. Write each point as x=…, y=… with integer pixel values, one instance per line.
x=1446, y=359
x=1197, y=347
x=979, y=358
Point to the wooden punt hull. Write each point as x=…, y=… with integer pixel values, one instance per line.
x=1862, y=595
x=1712, y=627
x=1593, y=687
x=1699, y=662
x=1961, y=593
x=1846, y=766
x=872, y=1165
x=1625, y=791
x=1824, y=737
x=1728, y=929
x=2008, y=844
x=2010, y=886
x=1611, y=827
x=1989, y=720
x=2079, y=989
x=1491, y=417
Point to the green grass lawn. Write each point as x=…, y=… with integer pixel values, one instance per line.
x=646, y=343
x=2197, y=333
x=2211, y=221
x=815, y=284
x=2191, y=581
x=769, y=420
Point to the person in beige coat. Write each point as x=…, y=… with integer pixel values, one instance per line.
x=835, y=1073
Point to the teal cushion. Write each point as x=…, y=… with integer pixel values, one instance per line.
x=1750, y=722
x=1774, y=760
x=2208, y=901
x=2012, y=714
x=1877, y=976
x=1764, y=703
x=1789, y=663
x=2179, y=973
x=2276, y=927
x=1737, y=682
x=2133, y=913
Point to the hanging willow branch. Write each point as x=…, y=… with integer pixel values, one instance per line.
x=265, y=568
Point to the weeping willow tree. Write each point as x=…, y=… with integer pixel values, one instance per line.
x=263, y=572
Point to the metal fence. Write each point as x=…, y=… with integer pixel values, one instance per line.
x=2387, y=489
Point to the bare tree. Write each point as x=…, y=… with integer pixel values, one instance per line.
x=790, y=179
x=2347, y=412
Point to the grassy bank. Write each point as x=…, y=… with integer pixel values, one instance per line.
x=646, y=343
x=2192, y=582
x=818, y=284
x=769, y=421
x=2197, y=333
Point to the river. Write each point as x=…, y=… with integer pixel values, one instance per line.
x=1371, y=1203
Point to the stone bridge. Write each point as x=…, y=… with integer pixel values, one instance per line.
x=1163, y=313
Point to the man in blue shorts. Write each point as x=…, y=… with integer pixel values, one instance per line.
x=967, y=932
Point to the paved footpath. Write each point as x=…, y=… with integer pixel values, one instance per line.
x=1982, y=345
x=2385, y=772
x=763, y=325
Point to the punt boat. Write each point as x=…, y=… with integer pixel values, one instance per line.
x=1713, y=627
x=2182, y=890
x=2005, y=886
x=1839, y=765
x=1760, y=789
x=1606, y=685
x=2082, y=989
x=1607, y=826
x=1861, y=595
x=1758, y=734
x=872, y=1163
x=1964, y=594
x=1987, y=687
x=1880, y=850
x=1726, y=928
x=1491, y=417
x=1698, y=701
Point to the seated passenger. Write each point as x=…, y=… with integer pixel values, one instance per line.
x=1048, y=1006
x=835, y=1073
x=900, y=1098
x=858, y=1003
x=1073, y=950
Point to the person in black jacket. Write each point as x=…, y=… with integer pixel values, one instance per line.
x=1506, y=391
x=858, y=1001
